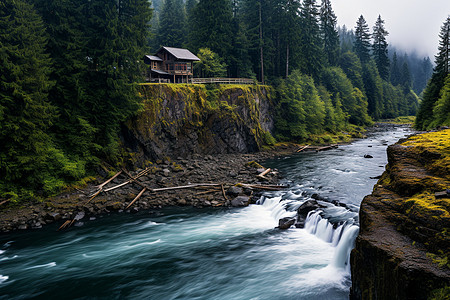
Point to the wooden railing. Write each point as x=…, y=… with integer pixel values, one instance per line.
x=223, y=80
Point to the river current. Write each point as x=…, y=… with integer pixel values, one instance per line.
x=187, y=253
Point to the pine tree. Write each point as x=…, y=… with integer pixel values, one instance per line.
x=351, y=65
x=28, y=158
x=395, y=71
x=211, y=23
x=374, y=89
x=310, y=41
x=362, y=40
x=172, y=24
x=406, y=80
x=425, y=116
x=380, y=48
x=329, y=32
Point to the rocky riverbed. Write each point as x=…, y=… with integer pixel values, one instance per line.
x=232, y=171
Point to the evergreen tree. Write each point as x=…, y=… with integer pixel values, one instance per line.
x=432, y=92
x=441, y=110
x=362, y=40
x=172, y=24
x=211, y=27
x=395, y=71
x=374, y=89
x=352, y=99
x=310, y=41
x=351, y=65
x=347, y=39
x=329, y=32
x=380, y=48
x=405, y=78
x=28, y=157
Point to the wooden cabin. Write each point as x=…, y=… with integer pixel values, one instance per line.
x=169, y=64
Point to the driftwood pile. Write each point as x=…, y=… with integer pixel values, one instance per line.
x=210, y=188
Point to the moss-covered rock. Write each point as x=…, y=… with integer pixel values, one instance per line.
x=179, y=120
x=402, y=250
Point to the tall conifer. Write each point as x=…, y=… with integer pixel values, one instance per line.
x=380, y=48
x=436, y=83
x=329, y=32
x=362, y=40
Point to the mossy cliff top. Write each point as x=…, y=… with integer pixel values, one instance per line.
x=402, y=251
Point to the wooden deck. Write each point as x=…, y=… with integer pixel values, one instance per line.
x=223, y=81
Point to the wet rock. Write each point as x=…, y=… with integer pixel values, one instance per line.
x=22, y=227
x=234, y=191
x=53, y=216
x=240, y=201
x=181, y=202
x=308, y=206
x=166, y=172
x=79, y=216
x=286, y=223
x=368, y=156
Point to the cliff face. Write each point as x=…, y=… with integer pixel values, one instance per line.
x=180, y=120
x=402, y=251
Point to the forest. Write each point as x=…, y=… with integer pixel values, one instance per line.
x=69, y=71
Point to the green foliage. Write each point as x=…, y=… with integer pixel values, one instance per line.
x=362, y=40
x=172, y=24
x=440, y=294
x=374, y=89
x=210, y=26
x=300, y=111
x=425, y=116
x=441, y=109
x=354, y=103
x=380, y=48
x=210, y=64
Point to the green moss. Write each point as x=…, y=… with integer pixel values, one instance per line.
x=440, y=294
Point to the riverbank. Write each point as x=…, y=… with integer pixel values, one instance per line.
x=237, y=173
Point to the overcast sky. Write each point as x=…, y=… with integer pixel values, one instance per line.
x=412, y=24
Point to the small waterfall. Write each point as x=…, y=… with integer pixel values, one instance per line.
x=276, y=206
x=343, y=237
x=342, y=253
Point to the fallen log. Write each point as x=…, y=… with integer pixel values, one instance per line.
x=136, y=198
x=185, y=187
x=326, y=148
x=223, y=193
x=132, y=179
x=302, y=148
x=264, y=173
x=3, y=202
x=109, y=180
x=443, y=194
x=265, y=187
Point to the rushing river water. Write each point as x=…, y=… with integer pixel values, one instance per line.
x=186, y=253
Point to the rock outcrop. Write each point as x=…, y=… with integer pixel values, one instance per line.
x=402, y=251
x=181, y=120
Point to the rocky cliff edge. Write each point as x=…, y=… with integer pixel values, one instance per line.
x=180, y=120
x=402, y=251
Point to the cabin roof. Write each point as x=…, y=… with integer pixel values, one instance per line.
x=181, y=54
x=153, y=58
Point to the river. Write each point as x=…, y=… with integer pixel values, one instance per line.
x=187, y=253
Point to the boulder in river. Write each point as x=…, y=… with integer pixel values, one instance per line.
x=306, y=207
x=286, y=223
